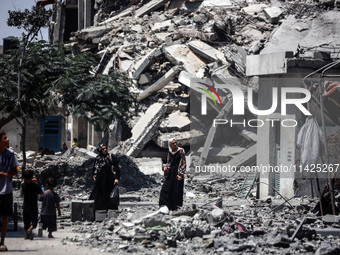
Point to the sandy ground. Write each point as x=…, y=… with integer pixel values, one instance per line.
x=16, y=243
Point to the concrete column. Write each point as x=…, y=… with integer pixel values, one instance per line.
x=87, y=13
x=288, y=136
x=265, y=155
x=59, y=26
x=80, y=14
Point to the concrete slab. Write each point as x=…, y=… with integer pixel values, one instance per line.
x=149, y=7
x=315, y=32
x=145, y=62
x=176, y=121
x=144, y=130
x=272, y=63
x=254, y=9
x=149, y=165
x=217, y=3
x=164, y=80
x=92, y=32
x=125, y=65
x=192, y=32
x=206, y=51
x=161, y=26
x=124, y=13
x=181, y=54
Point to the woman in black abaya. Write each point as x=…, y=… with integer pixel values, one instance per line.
x=106, y=178
x=172, y=190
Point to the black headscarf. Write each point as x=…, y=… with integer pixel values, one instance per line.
x=101, y=160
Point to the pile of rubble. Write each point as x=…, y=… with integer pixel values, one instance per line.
x=214, y=218
x=164, y=45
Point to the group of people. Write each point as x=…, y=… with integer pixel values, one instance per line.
x=9, y=167
x=106, y=175
x=107, y=170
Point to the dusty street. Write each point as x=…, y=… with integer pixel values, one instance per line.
x=60, y=244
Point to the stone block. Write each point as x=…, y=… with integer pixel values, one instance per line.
x=76, y=210
x=100, y=215
x=88, y=210
x=273, y=14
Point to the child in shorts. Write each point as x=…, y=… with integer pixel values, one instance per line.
x=30, y=191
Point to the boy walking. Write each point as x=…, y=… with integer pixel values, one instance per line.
x=50, y=201
x=30, y=190
x=9, y=167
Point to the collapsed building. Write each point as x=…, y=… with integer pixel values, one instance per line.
x=263, y=48
x=168, y=47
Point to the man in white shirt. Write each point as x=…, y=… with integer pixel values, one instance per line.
x=9, y=167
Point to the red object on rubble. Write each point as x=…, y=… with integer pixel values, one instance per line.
x=45, y=2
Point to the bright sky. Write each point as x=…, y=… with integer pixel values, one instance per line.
x=15, y=5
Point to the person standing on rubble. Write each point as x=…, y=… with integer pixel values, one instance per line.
x=9, y=167
x=171, y=193
x=106, y=174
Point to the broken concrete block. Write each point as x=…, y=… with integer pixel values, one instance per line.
x=100, y=215
x=137, y=28
x=156, y=220
x=330, y=219
x=188, y=7
x=273, y=14
x=162, y=26
x=149, y=7
x=149, y=166
x=146, y=62
x=129, y=198
x=92, y=32
x=164, y=80
x=145, y=128
x=194, y=33
x=176, y=121
x=126, y=12
x=237, y=57
x=273, y=63
x=144, y=78
x=184, y=104
x=206, y=51
x=217, y=3
x=183, y=138
x=254, y=9
x=181, y=54
x=125, y=65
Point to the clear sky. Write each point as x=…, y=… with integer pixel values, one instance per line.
x=15, y=5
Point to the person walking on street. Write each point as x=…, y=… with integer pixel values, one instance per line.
x=50, y=201
x=30, y=190
x=171, y=194
x=9, y=167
